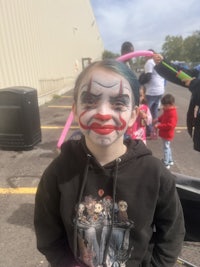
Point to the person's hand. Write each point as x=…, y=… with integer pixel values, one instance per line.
x=157, y=58
x=156, y=125
x=196, y=110
x=187, y=81
x=155, y=121
x=143, y=114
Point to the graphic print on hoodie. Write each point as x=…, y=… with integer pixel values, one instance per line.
x=103, y=231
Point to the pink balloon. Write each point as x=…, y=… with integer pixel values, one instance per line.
x=65, y=129
x=139, y=53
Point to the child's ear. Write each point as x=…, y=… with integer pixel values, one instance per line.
x=134, y=115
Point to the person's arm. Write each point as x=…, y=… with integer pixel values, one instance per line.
x=148, y=69
x=194, y=105
x=168, y=74
x=169, y=224
x=159, y=119
x=149, y=117
x=50, y=233
x=144, y=78
x=170, y=124
x=194, y=86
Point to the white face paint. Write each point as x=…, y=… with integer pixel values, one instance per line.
x=104, y=107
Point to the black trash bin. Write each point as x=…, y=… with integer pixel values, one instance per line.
x=19, y=118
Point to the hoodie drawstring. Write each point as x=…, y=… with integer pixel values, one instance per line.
x=113, y=213
x=79, y=201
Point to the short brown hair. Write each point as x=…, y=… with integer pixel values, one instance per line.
x=168, y=99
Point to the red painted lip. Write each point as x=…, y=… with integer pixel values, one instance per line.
x=105, y=129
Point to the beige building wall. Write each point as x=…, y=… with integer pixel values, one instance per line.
x=42, y=43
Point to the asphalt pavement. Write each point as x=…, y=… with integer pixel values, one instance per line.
x=20, y=172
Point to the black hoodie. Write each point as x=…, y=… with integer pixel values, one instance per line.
x=125, y=213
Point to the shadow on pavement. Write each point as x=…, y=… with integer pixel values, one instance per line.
x=23, y=216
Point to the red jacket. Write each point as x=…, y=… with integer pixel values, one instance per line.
x=167, y=123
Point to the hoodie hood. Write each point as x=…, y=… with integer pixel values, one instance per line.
x=135, y=150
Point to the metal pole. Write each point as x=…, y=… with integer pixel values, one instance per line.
x=185, y=263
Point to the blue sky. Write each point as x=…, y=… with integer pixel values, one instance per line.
x=145, y=23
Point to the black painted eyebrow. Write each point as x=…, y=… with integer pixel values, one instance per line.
x=85, y=96
x=88, y=96
x=121, y=98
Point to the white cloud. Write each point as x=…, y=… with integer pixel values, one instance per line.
x=144, y=23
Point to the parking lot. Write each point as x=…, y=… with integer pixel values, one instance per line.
x=20, y=172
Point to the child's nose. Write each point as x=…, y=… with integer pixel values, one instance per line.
x=102, y=117
x=104, y=110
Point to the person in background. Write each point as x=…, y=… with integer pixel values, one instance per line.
x=193, y=84
x=127, y=47
x=155, y=87
x=166, y=124
x=138, y=129
x=106, y=201
x=144, y=118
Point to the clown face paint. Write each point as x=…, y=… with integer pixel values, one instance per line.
x=104, y=107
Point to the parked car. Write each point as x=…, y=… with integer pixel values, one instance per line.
x=181, y=64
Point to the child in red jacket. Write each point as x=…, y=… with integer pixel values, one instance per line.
x=166, y=124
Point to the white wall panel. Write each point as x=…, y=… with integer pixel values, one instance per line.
x=42, y=43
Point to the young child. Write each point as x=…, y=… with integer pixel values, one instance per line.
x=144, y=118
x=105, y=201
x=166, y=124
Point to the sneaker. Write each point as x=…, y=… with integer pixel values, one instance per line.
x=166, y=165
x=171, y=163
